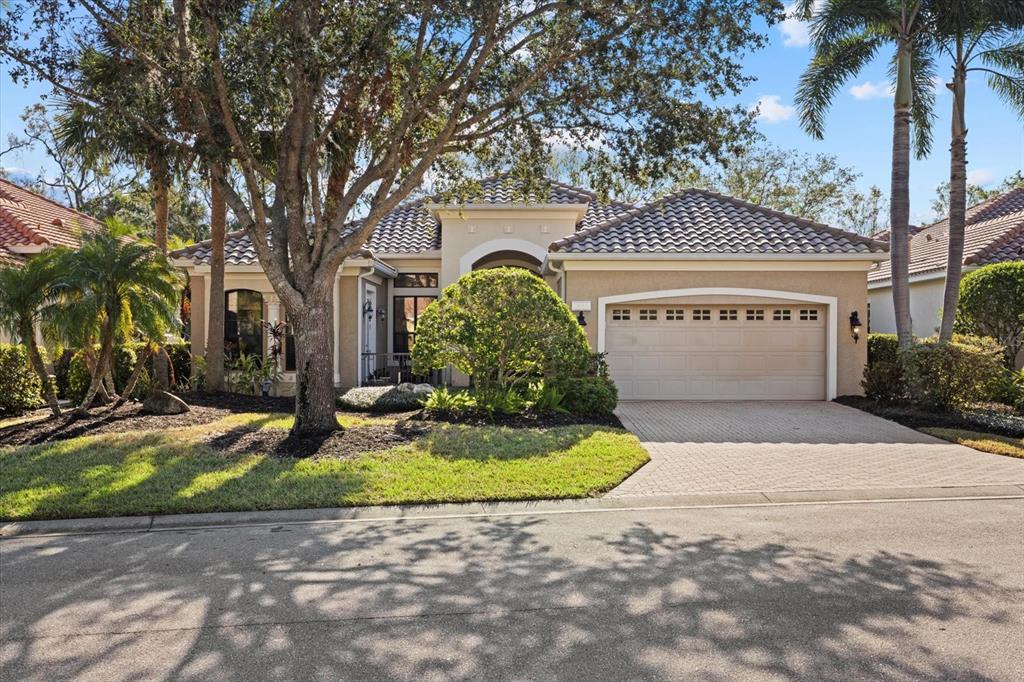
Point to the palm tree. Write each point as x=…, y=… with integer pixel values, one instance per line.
x=24, y=292
x=847, y=34
x=129, y=287
x=981, y=36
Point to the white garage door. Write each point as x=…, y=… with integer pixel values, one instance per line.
x=717, y=352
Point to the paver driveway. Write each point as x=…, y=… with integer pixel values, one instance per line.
x=717, y=447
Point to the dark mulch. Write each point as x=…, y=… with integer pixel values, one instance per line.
x=527, y=420
x=338, y=445
x=985, y=418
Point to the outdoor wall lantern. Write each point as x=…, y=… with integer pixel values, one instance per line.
x=367, y=308
x=580, y=307
x=855, y=325
x=382, y=313
x=582, y=320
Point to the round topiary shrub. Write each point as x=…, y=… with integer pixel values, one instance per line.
x=504, y=327
x=19, y=384
x=992, y=304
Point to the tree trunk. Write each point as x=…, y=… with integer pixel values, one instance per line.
x=140, y=364
x=158, y=177
x=28, y=335
x=215, y=329
x=102, y=363
x=899, y=205
x=957, y=204
x=313, y=327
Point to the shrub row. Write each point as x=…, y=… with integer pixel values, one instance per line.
x=73, y=374
x=19, y=384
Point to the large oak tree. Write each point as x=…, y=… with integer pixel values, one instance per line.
x=332, y=112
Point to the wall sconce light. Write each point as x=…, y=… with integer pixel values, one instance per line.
x=382, y=313
x=855, y=325
x=582, y=320
x=580, y=307
x=367, y=308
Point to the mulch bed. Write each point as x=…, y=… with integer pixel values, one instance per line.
x=345, y=444
x=995, y=419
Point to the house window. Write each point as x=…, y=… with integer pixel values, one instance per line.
x=702, y=315
x=648, y=314
x=809, y=315
x=416, y=280
x=755, y=315
x=782, y=315
x=620, y=314
x=728, y=315
x=674, y=314
x=407, y=312
x=243, y=323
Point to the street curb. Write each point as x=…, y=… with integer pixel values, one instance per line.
x=398, y=513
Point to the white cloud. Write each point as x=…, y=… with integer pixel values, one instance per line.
x=770, y=110
x=870, y=90
x=796, y=32
x=980, y=176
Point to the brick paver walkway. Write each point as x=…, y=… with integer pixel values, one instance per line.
x=778, y=446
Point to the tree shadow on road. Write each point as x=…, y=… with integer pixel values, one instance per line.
x=498, y=598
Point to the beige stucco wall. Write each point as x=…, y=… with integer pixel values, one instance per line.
x=849, y=287
x=198, y=285
x=516, y=229
x=925, y=308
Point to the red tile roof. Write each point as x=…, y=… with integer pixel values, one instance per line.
x=28, y=219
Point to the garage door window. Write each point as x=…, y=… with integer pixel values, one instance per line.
x=810, y=315
x=702, y=315
x=675, y=315
x=648, y=314
x=782, y=315
x=620, y=314
x=728, y=315
x=755, y=315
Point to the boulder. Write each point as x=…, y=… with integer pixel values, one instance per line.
x=162, y=402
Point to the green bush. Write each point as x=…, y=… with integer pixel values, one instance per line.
x=1008, y=388
x=992, y=304
x=547, y=396
x=501, y=401
x=883, y=382
x=448, y=401
x=401, y=398
x=505, y=327
x=180, y=353
x=882, y=348
x=590, y=395
x=19, y=383
x=945, y=375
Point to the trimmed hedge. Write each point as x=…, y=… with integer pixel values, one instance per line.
x=591, y=395
x=957, y=373
x=19, y=384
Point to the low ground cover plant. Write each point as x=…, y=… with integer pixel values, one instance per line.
x=400, y=398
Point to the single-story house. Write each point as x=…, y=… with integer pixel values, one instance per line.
x=692, y=296
x=994, y=233
x=30, y=223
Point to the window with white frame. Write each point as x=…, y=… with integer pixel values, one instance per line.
x=620, y=314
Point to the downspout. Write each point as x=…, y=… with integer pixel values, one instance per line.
x=560, y=273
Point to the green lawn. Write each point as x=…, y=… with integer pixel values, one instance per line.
x=986, y=442
x=170, y=471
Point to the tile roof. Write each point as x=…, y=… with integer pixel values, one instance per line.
x=704, y=222
x=994, y=233
x=10, y=258
x=411, y=228
x=27, y=219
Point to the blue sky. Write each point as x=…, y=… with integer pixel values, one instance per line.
x=858, y=129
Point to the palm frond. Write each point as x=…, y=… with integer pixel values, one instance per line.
x=1004, y=67
x=829, y=69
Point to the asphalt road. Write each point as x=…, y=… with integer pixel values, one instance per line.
x=906, y=590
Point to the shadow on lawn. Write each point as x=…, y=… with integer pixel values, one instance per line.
x=486, y=599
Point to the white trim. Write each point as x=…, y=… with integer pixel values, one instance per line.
x=481, y=250
x=737, y=256
x=578, y=210
x=831, y=324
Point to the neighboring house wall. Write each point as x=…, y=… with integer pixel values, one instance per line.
x=848, y=286
x=925, y=308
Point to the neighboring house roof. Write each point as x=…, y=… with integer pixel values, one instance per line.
x=994, y=233
x=703, y=222
x=411, y=228
x=30, y=220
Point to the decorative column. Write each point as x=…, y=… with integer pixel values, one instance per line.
x=336, y=321
x=274, y=316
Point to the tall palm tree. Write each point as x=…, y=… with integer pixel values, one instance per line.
x=983, y=36
x=128, y=286
x=847, y=34
x=24, y=292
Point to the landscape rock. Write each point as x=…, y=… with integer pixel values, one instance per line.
x=162, y=402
